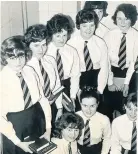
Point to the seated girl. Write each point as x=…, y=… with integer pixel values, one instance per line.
x=96, y=134
x=68, y=129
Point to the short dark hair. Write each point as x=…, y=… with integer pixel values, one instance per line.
x=129, y=10
x=56, y=24
x=65, y=120
x=85, y=16
x=35, y=33
x=96, y=5
x=88, y=92
x=131, y=98
x=14, y=45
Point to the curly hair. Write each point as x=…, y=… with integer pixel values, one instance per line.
x=129, y=11
x=35, y=33
x=88, y=92
x=56, y=24
x=85, y=16
x=65, y=120
x=91, y=5
x=14, y=46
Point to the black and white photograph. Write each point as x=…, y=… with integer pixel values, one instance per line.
x=69, y=77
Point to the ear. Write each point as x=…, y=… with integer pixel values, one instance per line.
x=34, y=45
x=31, y=45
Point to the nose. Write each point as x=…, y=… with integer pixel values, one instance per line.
x=18, y=61
x=73, y=133
x=61, y=39
x=123, y=22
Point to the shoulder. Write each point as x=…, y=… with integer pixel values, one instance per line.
x=57, y=141
x=103, y=118
x=119, y=120
x=70, y=47
x=49, y=59
x=99, y=41
x=32, y=62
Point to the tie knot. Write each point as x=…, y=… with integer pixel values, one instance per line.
x=86, y=42
x=19, y=75
x=57, y=50
x=134, y=123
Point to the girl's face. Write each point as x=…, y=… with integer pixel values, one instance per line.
x=122, y=22
x=59, y=39
x=99, y=13
x=16, y=63
x=87, y=30
x=70, y=134
x=89, y=106
x=131, y=111
x=38, y=48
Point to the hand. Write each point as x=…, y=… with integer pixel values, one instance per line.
x=51, y=102
x=59, y=113
x=113, y=88
x=47, y=137
x=25, y=146
x=125, y=90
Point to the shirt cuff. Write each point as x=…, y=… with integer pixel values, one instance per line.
x=14, y=139
x=100, y=90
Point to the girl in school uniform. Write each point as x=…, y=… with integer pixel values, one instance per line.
x=105, y=22
x=124, y=128
x=68, y=129
x=96, y=134
x=122, y=45
x=59, y=31
x=45, y=66
x=92, y=51
x=25, y=112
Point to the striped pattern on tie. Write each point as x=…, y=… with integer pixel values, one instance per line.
x=86, y=139
x=26, y=93
x=136, y=65
x=46, y=88
x=60, y=66
x=134, y=138
x=87, y=58
x=122, y=53
x=69, y=148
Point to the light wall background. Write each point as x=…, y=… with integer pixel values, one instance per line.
x=16, y=16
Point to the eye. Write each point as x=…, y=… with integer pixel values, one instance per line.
x=58, y=36
x=76, y=130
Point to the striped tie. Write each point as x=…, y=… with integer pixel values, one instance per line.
x=46, y=88
x=136, y=65
x=122, y=53
x=69, y=148
x=134, y=138
x=60, y=66
x=26, y=93
x=86, y=140
x=87, y=58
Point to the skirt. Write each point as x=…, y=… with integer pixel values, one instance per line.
x=94, y=149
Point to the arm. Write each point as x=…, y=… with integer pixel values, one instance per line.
x=106, y=137
x=75, y=75
x=103, y=74
x=46, y=108
x=115, y=144
x=6, y=127
x=59, y=99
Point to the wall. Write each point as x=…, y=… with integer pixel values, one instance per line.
x=48, y=8
x=16, y=16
